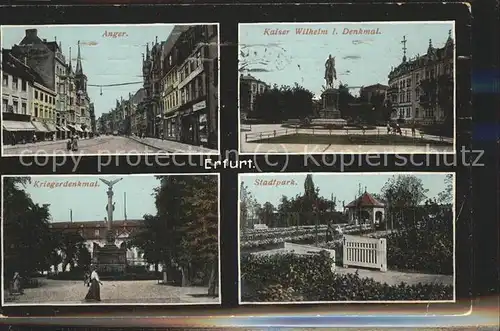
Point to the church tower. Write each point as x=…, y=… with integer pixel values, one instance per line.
x=80, y=77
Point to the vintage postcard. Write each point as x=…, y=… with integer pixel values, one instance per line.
x=112, y=240
x=347, y=237
x=110, y=89
x=374, y=87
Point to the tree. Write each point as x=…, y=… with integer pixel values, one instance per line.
x=266, y=214
x=27, y=241
x=446, y=196
x=184, y=232
x=402, y=194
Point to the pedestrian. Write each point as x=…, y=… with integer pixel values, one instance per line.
x=94, y=293
x=388, y=128
x=86, y=279
x=413, y=131
x=16, y=287
x=34, y=138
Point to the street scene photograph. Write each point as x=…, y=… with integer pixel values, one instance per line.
x=112, y=240
x=110, y=89
x=377, y=87
x=347, y=237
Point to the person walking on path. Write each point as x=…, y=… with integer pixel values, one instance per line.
x=94, y=293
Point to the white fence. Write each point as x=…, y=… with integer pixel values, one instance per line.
x=306, y=249
x=365, y=252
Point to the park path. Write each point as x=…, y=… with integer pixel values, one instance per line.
x=144, y=291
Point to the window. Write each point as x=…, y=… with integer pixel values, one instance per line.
x=254, y=88
x=198, y=59
x=170, y=60
x=5, y=105
x=15, y=106
x=432, y=73
x=408, y=82
x=408, y=112
x=408, y=96
x=416, y=112
x=15, y=83
x=96, y=233
x=5, y=80
x=417, y=78
x=36, y=95
x=36, y=111
x=23, y=108
x=429, y=113
x=24, y=85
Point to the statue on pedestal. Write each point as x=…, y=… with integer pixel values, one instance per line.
x=330, y=72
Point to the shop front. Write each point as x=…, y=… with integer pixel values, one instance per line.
x=17, y=132
x=193, y=125
x=171, y=127
x=41, y=131
x=52, y=129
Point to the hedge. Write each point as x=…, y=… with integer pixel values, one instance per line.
x=290, y=277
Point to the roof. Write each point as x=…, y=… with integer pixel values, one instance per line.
x=95, y=224
x=375, y=87
x=251, y=78
x=365, y=200
x=15, y=66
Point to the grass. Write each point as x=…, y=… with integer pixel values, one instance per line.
x=318, y=139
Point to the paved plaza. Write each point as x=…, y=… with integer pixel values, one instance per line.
x=263, y=147
x=137, y=292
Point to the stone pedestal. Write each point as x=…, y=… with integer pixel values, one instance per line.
x=110, y=259
x=330, y=98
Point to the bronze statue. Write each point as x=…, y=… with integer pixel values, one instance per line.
x=330, y=72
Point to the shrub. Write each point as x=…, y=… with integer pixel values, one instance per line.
x=289, y=277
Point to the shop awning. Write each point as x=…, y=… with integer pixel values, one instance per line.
x=51, y=127
x=17, y=126
x=78, y=127
x=39, y=127
x=63, y=128
x=87, y=130
x=71, y=126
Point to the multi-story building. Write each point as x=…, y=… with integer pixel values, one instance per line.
x=46, y=59
x=198, y=68
x=181, y=84
x=17, y=92
x=250, y=87
x=44, y=111
x=366, y=93
x=417, y=85
x=169, y=84
x=138, y=121
x=94, y=234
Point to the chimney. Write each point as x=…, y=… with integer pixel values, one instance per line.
x=31, y=32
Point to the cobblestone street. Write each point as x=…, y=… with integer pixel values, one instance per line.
x=137, y=292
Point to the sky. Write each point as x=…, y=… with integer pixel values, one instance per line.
x=105, y=60
x=344, y=186
x=361, y=60
x=89, y=203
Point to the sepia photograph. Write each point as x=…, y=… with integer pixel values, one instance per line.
x=346, y=237
x=110, y=89
x=364, y=87
x=112, y=240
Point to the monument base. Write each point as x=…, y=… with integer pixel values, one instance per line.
x=110, y=259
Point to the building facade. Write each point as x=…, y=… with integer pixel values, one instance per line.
x=181, y=81
x=62, y=105
x=250, y=87
x=94, y=235
x=418, y=86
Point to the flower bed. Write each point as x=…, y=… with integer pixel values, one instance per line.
x=290, y=277
x=276, y=236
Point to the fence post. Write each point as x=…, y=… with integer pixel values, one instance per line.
x=382, y=254
x=344, y=253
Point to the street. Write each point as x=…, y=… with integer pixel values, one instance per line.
x=100, y=145
x=136, y=291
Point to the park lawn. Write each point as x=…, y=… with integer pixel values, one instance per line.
x=320, y=139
